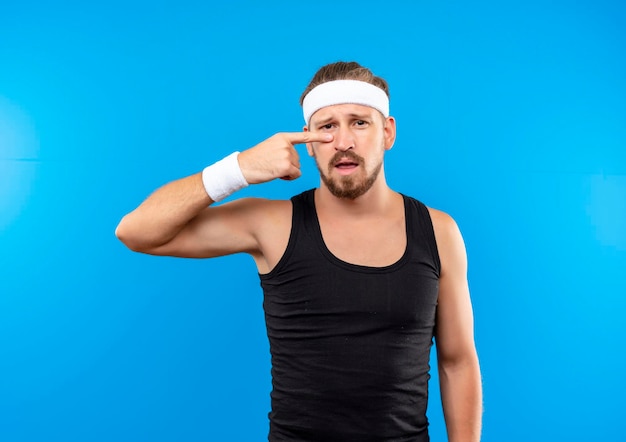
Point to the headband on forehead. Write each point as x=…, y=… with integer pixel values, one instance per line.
x=345, y=92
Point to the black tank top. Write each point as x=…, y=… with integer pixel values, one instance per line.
x=350, y=344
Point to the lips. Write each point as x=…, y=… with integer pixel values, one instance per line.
x=346, y=160
x=346, y=164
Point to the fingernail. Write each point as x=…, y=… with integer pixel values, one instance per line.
x=328, y=137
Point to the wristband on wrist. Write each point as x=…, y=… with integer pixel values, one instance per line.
x=223, y=178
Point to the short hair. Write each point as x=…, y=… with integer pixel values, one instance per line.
x=342, y=70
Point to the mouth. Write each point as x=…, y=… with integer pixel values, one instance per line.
x=346, y=164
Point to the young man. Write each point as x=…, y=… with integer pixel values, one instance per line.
x=357, y=278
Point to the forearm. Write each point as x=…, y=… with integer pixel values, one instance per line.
x=461, y=396
x=163, y=214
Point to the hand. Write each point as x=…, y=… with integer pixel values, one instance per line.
x=277, y=157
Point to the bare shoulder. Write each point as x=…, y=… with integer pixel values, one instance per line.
x=449, y=240
x=270, y=223
x=443, y=224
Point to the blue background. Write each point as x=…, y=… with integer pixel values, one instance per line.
x=511, y=117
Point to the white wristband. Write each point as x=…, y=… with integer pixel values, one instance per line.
x=223, y=178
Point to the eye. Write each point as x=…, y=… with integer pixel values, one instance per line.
x=327, y=126
x=361, y=123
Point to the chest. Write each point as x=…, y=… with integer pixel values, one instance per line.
x=371, y=273
x=373, y=243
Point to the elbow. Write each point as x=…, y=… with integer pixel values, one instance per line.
x=124, y=233
x=138, y=237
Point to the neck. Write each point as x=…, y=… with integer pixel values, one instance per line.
x=377, y=200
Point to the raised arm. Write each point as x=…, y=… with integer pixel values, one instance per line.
x=459, y=372
x=177, y=219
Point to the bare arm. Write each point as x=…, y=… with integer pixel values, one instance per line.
x=163, y=214
x=459, y=371
x=177, y=219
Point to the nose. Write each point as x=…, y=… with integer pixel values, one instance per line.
x=344, y=139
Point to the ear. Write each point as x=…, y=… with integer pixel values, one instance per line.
x=389, y=132
x=309, y=146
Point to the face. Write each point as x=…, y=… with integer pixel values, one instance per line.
x=350, y=164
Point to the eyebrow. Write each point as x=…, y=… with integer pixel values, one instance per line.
x=352, y=115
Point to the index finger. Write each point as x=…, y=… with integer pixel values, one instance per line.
x=308, y=137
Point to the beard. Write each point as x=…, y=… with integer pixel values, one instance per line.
x=348, y=187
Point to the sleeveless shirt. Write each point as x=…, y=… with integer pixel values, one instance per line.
x=350, y=344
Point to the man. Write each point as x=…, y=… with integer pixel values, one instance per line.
x=357, y=278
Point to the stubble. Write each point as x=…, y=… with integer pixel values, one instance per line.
x=348, y=187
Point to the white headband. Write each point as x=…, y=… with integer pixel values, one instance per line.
x=345, y=92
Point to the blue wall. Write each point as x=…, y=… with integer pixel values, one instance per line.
x=510, y=118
